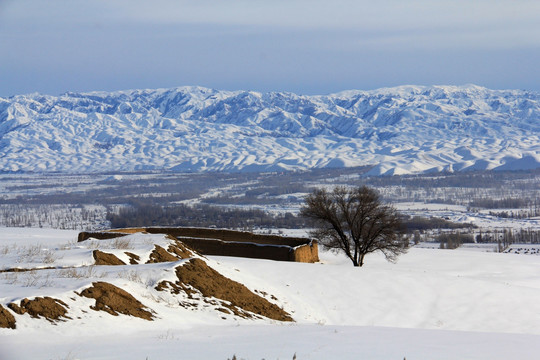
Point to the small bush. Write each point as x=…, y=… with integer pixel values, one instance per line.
x=453, y=240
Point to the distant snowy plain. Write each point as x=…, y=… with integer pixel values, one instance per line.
x=432, y=304
x=402, y=130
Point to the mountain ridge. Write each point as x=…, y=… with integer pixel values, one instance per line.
x=400, y=130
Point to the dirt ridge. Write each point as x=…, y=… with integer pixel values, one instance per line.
x=103, y=258
x=160, y=255
x=7, y=320
x=115, y=301
x=196, y=274
x=46, y=307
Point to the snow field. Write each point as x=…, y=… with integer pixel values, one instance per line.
x=431, y=304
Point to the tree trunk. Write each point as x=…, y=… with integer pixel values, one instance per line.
x=357, y=262
x=361, y=260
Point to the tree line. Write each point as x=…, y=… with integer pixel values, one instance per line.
x=146, y=214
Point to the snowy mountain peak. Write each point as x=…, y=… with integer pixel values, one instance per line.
x=406, y=129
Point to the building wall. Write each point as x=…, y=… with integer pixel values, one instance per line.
x=228, y=242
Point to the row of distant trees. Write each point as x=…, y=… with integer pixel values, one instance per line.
x=453, y=240
x=140, y=213
x=502, y=237
x=521, y=208
x=516, y=214
x=53, y=216
x=510, y=236
x=506, y=203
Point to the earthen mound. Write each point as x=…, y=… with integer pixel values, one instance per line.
x=176, y=250
x=47, y=307
x=180, y=249
x=7, y=320
x=103, y=258
x=160, y=255
x=238, y=299
x=114, y=301
x=133, y=258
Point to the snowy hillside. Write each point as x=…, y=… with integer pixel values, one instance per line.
x=431, y=304
x=399, y=130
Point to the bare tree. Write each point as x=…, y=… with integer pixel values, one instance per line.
x=355, y=221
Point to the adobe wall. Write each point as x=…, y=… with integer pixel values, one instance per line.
x=238, y=249
x=227, y=235
x=228, y=242
x=100, y=235
x=306, y=253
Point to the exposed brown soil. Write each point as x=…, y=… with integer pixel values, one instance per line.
x=160, y=255
x=7, y=320
x=114, y=301
x=133, y=258
x=176, y=288
x=103, y=258
x=180, y=249
x=197, y=274
x=47, y=307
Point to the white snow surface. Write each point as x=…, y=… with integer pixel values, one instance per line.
x=431, y=304
x=402, y=130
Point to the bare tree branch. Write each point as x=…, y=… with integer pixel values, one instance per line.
x=355, y=221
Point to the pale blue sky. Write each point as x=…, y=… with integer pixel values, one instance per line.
x=307, y=47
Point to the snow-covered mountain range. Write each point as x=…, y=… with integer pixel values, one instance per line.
x=408, y=129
